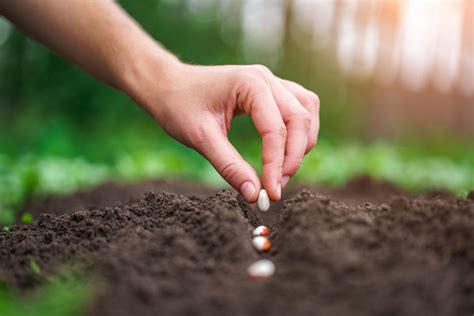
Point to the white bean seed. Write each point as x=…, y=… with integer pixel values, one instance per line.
x=261, y=269
x=263, y=201
x=261, y=231
x=261, y=243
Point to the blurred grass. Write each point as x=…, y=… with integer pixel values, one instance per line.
x=408, y=166
x=61, y=295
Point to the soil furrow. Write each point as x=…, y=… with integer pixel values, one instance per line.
x=337, y=251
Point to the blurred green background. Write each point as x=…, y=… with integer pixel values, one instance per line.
x=62, y=130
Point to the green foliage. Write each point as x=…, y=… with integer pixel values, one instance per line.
x=410, y=166
x=61, y=296
x=7, y=216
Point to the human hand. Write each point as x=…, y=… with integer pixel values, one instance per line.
x=196, y=105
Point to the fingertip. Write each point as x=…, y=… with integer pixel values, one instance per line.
x=278, y=192
x=274, y=193
x=249, y=191
x=284, y=181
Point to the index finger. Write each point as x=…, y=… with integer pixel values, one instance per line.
x=259, y=103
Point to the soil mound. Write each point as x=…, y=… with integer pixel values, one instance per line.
x=169, y=254
x=112, y=194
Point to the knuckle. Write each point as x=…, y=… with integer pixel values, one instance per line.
x=305, y=119
x=198, y=138
x=311, y=143
x=268, y=165
x=250, y=81
x=280, y=131
x=254, y=77
x=314, y=99
x=253, y=98
x=292, y=163
x=309, y=99
x=296, y=160
x=260, y=70
x=229, y=170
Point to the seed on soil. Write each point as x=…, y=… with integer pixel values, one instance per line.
x=261, y=243
x=263, y=201
x=261, y=231
x=261, y=269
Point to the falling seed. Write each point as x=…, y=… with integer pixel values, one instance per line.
x=261, y=269
x=261, y=243
x=261, y=231
x=263, y=201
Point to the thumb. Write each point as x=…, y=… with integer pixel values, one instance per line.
x=230, y=164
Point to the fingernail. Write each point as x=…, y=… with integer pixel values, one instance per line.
x=284, y=181
x=248, y=190
x=279, y=190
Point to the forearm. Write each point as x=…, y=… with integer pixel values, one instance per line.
x=98, y=36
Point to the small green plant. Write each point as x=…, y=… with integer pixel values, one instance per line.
x=26, y=218
x=35, y=267
x=62, y=295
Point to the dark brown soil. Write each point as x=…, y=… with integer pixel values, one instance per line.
x=365, y=249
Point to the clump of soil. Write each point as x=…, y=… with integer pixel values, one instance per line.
x=347, y=252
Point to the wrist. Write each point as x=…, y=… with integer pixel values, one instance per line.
x=148, y=74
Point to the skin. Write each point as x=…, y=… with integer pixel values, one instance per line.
x=194, y=104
